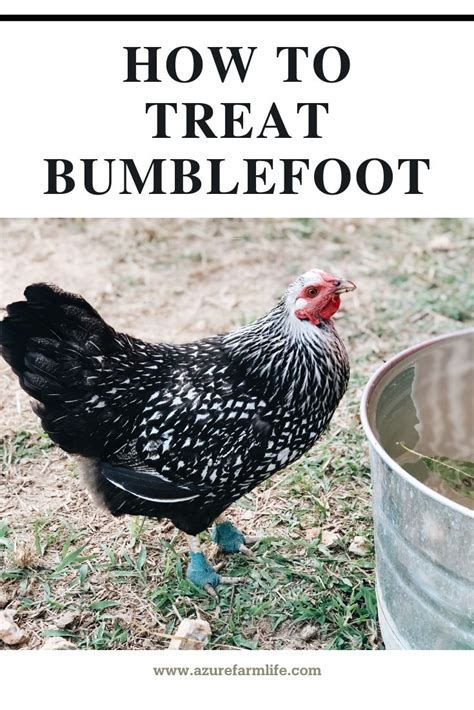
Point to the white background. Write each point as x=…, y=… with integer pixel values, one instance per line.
x=243, y=6
x=408, y=95
x=124, y=680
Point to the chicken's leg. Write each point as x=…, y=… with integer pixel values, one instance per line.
x=201, y=573
x=229, y=538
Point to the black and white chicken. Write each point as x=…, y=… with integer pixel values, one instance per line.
x=181, y=431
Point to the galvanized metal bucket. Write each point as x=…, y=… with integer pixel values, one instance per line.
x=424, y=542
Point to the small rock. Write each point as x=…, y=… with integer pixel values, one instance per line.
x=247, y=514
x=360, y=546
x=191, y=634
x=441, y=243
x=329, y=538
x=10, y=633
x=312, y=533
x=308, y=633
x=66, y=619
x=56, y=643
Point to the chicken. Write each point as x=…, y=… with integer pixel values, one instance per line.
x=181, y=431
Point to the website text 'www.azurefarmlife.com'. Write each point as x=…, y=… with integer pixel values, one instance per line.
x=269, y=669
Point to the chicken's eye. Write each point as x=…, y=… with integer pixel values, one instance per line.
x=312, y=292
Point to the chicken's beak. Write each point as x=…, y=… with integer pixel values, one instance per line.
x=344, y=286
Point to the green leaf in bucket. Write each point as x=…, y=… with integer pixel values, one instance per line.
x=457, y=474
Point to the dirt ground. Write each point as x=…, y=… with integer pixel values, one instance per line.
x=70, y=571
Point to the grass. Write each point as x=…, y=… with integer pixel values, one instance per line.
x=23, y=445
x=296, y=581
x=121, y=583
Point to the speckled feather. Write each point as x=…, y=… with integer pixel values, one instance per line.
x=175, y=431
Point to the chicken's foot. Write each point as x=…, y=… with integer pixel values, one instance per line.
x=230, y=539
x=201, y=573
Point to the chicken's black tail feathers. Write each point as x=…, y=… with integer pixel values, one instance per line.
x=48, y=317
x=55, y=343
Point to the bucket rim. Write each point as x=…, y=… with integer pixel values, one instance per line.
x=381, y=372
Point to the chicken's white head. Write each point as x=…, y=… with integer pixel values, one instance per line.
x=315, y=296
